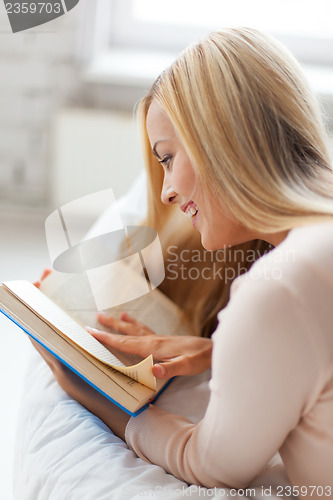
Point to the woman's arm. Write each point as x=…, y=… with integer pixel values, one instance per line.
x=185, y=355
x=255, y=403
x=263, y=372
x=78, y=389
x=182, y=355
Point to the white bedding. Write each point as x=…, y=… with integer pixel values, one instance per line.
x=64, y=452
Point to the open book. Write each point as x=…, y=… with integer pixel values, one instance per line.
x=55, y=316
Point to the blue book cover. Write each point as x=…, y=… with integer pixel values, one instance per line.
x=114, y=388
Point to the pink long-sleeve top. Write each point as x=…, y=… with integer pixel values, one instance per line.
x=272, y=378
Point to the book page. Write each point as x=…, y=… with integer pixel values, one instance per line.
x=46, y=309
x=119, y=387
x=72, y=293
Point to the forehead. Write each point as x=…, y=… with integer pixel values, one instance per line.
x=158, y=124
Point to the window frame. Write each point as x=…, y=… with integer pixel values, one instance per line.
x=103, y=42
x=125, y=32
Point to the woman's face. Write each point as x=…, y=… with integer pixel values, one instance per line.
x=180, y=186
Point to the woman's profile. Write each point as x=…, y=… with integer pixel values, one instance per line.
x=234, y=139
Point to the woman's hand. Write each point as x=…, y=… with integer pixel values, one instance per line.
x=177, y=355
x=78, y=389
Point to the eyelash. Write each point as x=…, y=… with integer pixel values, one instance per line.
x=166, y=161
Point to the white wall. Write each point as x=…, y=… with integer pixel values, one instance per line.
x=38, y=73
x=93, y=150
x=40, y=76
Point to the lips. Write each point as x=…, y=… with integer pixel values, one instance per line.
x=185, y=205
x=190, y=209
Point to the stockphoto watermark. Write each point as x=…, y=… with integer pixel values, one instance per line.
x=225, y=264
x=276, y=491
x=199, y=491
x=23, y=14
x=113, y=262
x=116, y=263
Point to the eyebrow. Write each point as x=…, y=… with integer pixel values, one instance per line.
x=154, y=148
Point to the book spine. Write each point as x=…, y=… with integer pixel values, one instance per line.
x=132, y=414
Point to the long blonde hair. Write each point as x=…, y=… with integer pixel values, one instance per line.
x=254, y=133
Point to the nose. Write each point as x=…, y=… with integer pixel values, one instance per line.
x=168, y=196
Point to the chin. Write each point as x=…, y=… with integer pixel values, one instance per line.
x=212, y=245
x=209, y=244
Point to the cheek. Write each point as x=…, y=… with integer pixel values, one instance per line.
x=184, y=177
x=212, y=220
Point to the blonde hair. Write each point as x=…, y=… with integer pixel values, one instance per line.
x=254, y=133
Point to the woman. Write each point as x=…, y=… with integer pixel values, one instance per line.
x=242, y=146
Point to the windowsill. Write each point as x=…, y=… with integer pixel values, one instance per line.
x=131, y=68
x=135, y=68
x=320, y=79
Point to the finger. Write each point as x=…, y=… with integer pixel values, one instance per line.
x=124, y=326
x=160, y=371
x=126, y=317
x=117, y=324
x=128, y=344
x=172, y=368
x=141, y=329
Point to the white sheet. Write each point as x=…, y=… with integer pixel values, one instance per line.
x=64, y=452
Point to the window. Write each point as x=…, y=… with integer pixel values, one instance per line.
x=305, y=26
x=130, y=42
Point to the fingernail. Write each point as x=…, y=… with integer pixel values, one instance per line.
x=162, y=369
x=93, y=330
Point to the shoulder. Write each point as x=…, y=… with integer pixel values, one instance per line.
x=304, y=257
x=285, y=299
